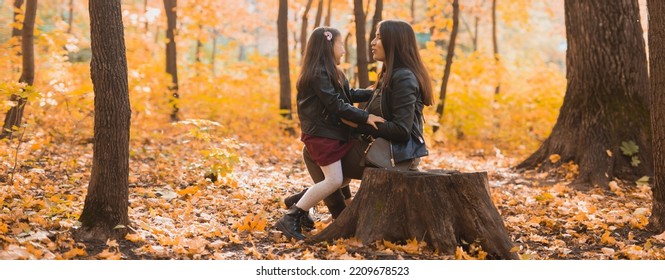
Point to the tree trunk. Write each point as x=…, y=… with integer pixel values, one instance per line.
x=199, y=45
x=657, y=89
x=328, y=13
x=145, y=13
x=603, y=108
x=171, y=57
x=319, y=14
x=70, y=19
x=15, y=114
x=213, y=53
x=476, y=20
x=449, y=62
x=106, y=204
x=412, y=8
x=303, y=27
x=375, y=20
x=495, y=49
x=283, y=57
x=361, y=43
x=445, y=209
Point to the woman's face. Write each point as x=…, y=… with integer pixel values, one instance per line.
x=377, y=48
x=338, y=49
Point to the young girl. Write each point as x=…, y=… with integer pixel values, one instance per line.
x=322, y=102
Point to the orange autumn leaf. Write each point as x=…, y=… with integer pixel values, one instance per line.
x=189, y=190
x=607, y=239
x=74, y=252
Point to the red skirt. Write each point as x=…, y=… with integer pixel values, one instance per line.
x=325, y=151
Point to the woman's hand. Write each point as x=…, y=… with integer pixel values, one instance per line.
x=373, y=120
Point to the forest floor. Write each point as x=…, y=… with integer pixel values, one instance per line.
x=176, y=213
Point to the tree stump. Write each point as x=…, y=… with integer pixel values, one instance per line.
x=440, y=207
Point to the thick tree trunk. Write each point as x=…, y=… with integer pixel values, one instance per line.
x=603, y=108
x=283, y=57
x=657, y=89
x=14, y=115
x=171, y=56
x=106, y=204
x=449, y=63
x=361, y=43
x=319, y=14
x=444, y=209
x=303, y=26
x=378, y=11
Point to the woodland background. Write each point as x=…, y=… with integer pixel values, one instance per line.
x=208, y=169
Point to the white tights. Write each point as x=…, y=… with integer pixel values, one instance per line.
x=334, y=179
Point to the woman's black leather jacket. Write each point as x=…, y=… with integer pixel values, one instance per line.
x=402, y=107
x=320, y=107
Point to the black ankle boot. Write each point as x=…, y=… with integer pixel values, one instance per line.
x=290, y=224
x=306, y=221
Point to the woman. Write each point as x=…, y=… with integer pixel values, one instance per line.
x=402, y=90
x=323, y=99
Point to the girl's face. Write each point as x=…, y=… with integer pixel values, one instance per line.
x=377, y=48
x=338, y=49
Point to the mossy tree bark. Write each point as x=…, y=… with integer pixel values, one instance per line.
x=606, y=99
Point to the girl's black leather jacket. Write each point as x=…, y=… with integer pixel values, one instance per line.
x=403, y=111
x=320, y=107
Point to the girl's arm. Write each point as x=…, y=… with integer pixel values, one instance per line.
x=403, y=96
x=360, y=95
x=335, y=104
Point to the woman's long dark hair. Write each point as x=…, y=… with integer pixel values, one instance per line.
x=401, y=50
x=319, y=53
